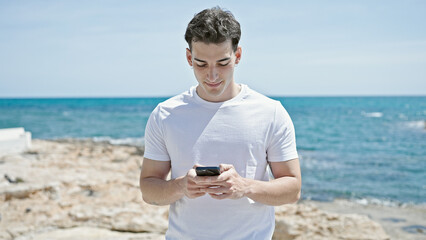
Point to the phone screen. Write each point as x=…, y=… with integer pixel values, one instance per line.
x=207, y=171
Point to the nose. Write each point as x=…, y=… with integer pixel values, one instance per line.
x=212, y=74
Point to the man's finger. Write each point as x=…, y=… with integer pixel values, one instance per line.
x=197, y=165
x=220, y=196
x=225, y=167
x=223, y=177
x=192, y=174
x=206, y=179
x=214, y=190
x=195, y=195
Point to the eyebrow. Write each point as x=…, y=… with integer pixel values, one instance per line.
x=220, y=60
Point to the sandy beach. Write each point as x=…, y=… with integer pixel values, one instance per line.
x=81, y=189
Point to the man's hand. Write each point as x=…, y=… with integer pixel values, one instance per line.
x=194, y=186
x=228, y=185
x=285, y=188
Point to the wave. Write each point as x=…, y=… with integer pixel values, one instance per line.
x=372, y=114
x=364, y=201
x=384, y=202
x=376, y=201
x=121, y=141
x=421, y=124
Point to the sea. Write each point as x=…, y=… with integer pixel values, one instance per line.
x=364, y=149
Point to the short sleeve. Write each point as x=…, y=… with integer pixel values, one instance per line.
x=155, y=147
x=282, y=137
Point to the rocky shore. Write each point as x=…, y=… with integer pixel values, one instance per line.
x=80, y=189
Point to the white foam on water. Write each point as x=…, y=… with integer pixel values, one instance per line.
x=372, y=114
x=379, y=202
x=121, y=141
x=416, y=124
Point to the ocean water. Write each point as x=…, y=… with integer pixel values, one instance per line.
x=360, y=148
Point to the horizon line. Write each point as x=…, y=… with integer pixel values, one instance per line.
x=164, y=96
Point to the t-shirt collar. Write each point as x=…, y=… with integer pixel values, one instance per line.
x=208, y=104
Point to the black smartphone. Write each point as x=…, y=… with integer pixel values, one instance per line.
x=207, y=171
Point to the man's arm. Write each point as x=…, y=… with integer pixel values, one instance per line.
x=157, y=190
x=285, y=188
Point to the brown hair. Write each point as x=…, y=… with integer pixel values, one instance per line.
x=213, y=25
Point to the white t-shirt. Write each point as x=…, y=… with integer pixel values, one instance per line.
x=247, y=131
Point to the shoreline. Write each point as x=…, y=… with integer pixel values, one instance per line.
x=138, y=143
x=407, y=222
x=73, y=183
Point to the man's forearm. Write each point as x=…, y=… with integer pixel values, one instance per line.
x=276, y=192
x=157, y=191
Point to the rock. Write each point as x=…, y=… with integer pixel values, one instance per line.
x=16, y=231
x=80, y=189
x=89, y=233
x=4, y=235
x=82, y=213
x=136, y=222
x=24, y=191
x=308, y=222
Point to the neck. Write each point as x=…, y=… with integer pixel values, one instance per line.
x=232, y=91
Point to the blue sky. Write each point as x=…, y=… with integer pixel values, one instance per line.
x=136, y=48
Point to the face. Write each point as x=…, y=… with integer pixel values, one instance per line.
x=214, y=70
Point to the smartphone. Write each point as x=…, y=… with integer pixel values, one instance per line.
x=207, y=171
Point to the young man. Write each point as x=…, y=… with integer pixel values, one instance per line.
x=219, y=123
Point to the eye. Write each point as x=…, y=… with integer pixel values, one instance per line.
x=201, y=66
x=223, y=65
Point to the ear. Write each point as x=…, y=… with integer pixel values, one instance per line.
x=238, y=54
x=189, y=57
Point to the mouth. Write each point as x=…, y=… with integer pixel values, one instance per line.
x=213, y=85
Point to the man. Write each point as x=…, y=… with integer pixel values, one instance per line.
x=219, y=123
